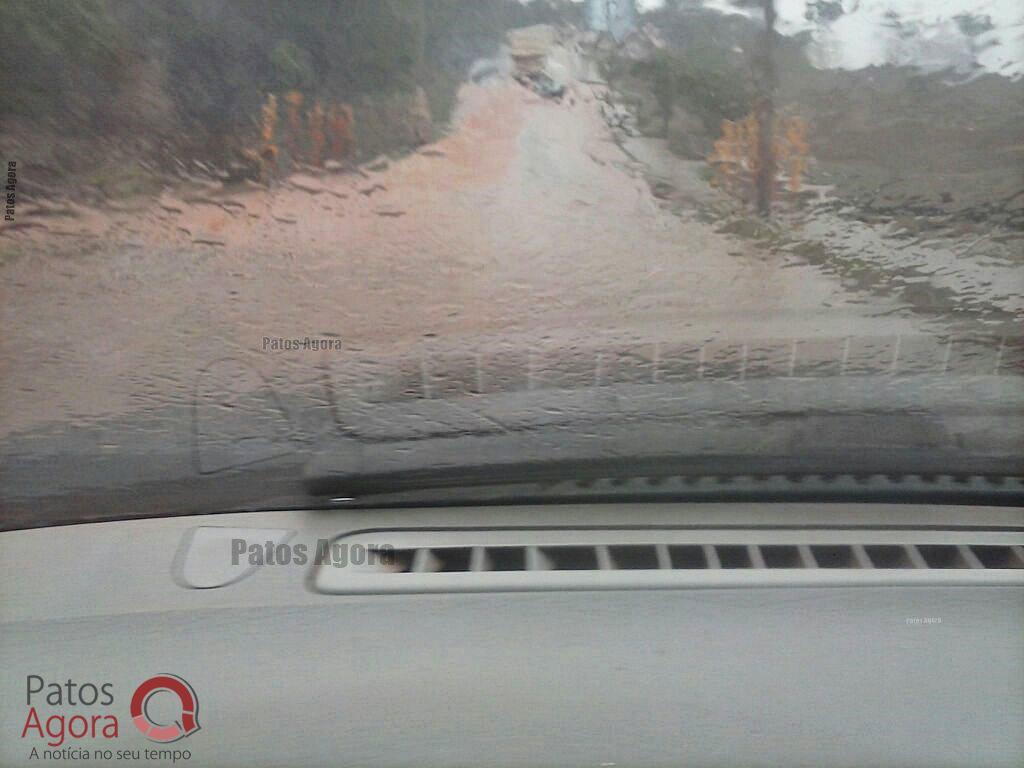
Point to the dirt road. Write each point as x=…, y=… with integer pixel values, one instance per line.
x=527, y=224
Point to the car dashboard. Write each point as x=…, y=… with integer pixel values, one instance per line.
x=605, y=634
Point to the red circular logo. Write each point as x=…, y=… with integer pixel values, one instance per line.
x=185, y=725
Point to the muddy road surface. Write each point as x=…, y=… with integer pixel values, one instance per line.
x=528, y=251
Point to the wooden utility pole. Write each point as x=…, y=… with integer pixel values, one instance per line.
x=765, y=182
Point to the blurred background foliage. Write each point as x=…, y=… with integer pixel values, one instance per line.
x=196, y=72
x=702, y=80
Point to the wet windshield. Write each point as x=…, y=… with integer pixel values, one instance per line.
x=250, y=243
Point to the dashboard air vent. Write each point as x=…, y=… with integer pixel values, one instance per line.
x=541, y=559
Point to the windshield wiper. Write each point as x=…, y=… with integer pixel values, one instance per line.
x=835, y=478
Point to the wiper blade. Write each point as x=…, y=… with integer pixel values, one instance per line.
x=860, y=477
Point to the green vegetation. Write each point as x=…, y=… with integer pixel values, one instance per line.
x=293, y=66
x=703, y=82
x=190, y=76
x=52, y=48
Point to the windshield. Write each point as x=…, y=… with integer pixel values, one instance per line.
x=251, y=244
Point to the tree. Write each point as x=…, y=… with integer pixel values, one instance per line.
x=766, y=115
x=824, y=12
x=765, y=105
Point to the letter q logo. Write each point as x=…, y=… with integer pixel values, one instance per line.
x=186, y=725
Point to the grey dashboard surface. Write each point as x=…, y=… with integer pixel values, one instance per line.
x=816, y=674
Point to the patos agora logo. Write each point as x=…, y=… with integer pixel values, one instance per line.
x=188, y=720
